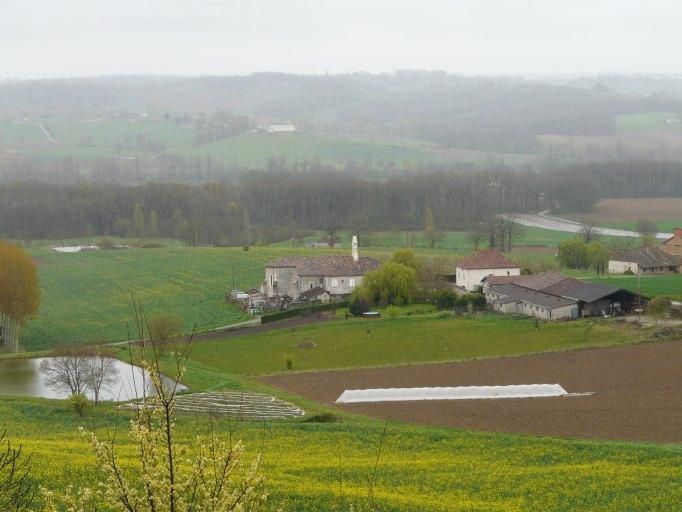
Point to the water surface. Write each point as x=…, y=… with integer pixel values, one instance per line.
x=23, y=377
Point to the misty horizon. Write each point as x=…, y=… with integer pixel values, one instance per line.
x=527, y=38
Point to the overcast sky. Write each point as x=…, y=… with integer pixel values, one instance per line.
x=58, y=38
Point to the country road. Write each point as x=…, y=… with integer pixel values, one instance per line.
x=545, y=221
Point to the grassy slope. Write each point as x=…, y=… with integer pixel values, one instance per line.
x=88, y=295
x=407, y=339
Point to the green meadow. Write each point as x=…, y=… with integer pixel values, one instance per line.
x=646, y=122
x=416, y=336
x=650, y=286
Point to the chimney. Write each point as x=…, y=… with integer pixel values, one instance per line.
x=354, y=248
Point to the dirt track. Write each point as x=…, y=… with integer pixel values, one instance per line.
x=637, y=393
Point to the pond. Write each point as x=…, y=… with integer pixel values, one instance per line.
x=23, y=377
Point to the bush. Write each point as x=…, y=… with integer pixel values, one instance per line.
x=325, y=417
x=629, y=272
x=358, y=305
x=659, y=306
x=392, y=311
x=461, y=304
x=478, y=302
x=445, y=299
x=79, y=403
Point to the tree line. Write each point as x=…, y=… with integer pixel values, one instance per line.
x=263, y=207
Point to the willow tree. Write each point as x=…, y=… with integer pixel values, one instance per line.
x=19, y=292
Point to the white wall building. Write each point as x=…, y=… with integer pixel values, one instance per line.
x=470, y=272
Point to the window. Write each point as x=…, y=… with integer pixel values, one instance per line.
x=335, y=282
x=271, y=280
x=507, y=272
x=351, y=282
x=311, y=286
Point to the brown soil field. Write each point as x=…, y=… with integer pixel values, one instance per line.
x=632, y=209
x=637, y=393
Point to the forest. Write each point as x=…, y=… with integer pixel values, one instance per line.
x=267, y=206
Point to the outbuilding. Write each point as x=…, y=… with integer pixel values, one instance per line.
x=644, y=260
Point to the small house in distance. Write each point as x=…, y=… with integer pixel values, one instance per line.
x=644, y=260
x=316, y=277
x=470, y=272
x=324, y=243
x=673, y=245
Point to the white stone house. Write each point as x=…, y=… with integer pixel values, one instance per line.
x=316, y=276
x=471, y=271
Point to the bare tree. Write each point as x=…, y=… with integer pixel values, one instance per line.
x=589, y=231
x=476, y=234
x=512, y=230
x=647, y=231
x=68, y=368
x=16, y=489
x=101, y=371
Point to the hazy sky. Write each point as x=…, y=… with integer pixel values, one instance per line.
x=93, y=37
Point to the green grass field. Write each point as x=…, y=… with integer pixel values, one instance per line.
x=650, y=286
x=403, y=340
x=646, y=122
x=88, y=295
x=88, y=139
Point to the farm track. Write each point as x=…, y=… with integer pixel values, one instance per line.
x=544, y=221
x=637, y=393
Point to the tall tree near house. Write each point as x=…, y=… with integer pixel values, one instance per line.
x=589, y=231
x=598, y=256
x=647, y=232
x=331, y=230
x=512, y=230
x=431, y=234
x=19, y=292
x=476, y=234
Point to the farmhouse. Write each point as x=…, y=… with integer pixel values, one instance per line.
x=673, y=245
x=644, y=260
x=470, y=272
x=553, y=296
x=310, y=277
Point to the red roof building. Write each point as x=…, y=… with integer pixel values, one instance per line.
x=472, y=270
x=488, y=258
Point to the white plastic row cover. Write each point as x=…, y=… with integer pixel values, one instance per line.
x=453, y=393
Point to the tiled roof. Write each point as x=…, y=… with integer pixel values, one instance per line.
x=647, y=257
x=326, y=266
x=486, y=259
x=558, y=285
x=515, y=293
